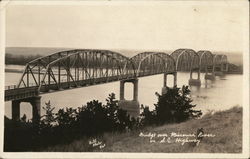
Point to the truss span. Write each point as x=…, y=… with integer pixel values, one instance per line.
x=219, y=59
x=186, y=59
x=151, y=63
x=206, y=60
x=82, y=67
x=76, y=68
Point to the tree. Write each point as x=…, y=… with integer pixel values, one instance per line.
x=147, y=117
x=175, y=106
x=49, y=117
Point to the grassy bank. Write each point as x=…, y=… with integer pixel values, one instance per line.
x=226, y=126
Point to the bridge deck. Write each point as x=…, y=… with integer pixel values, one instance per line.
x=13, y=93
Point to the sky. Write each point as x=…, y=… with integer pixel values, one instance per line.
x=155, y=26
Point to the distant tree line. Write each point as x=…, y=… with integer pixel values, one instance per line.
x=235, y=68
x=94, y=119
x=24, y=59
x=19, y=59
x=73, y=62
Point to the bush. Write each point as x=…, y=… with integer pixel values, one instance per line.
x=66, y=125
x=94, y=119
x=173, y=106
x=147, y=117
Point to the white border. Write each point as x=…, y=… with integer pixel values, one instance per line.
x=2, y=54
x=246, y=80
x=246, y=86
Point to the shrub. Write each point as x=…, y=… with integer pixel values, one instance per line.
x=66, y=125
x=49, y=118
x=175, y=106
x=94, y=119
x=147, y=117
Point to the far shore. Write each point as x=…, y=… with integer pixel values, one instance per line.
x=13, y=70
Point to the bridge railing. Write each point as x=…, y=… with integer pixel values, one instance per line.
x=20, y=93
x=10, y=87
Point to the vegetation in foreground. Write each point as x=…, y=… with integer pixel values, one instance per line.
x=106, y=127
x=225, y=125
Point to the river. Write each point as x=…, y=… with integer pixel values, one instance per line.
x=224, y=93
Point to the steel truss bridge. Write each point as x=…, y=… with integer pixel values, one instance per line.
x=83, y=67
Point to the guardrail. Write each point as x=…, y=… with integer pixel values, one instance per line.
x=10, y=87
x=20, y=93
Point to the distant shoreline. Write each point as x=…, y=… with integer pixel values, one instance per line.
x=233, y=57
x=237, y=73
x=12, y=70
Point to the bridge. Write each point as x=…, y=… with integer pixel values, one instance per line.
x=83, y=67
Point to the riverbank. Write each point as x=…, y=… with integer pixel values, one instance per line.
x=223, y=130
x=15, y=70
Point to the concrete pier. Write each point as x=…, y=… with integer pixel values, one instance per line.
x=218, y=73
x=224, y=67
x=209, y=76
x=15, y=110
x=209, y=73
x=164, y=88
x=194, y=82
x=36, y=108
x=131, y=106
x=221, y=69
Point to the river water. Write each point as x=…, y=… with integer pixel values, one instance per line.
x=224, y=93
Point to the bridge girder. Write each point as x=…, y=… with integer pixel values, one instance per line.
x=88, y=63
x=39, y=65
x=219, y=59
x=150, y=63
x=186, y=59
x=224, y=59
x=206, y=59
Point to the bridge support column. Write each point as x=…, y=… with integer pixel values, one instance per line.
x=36, y=107
x=209, y=74
x=135, y=97
x=218, y=71
x=224, y=67
x=210, y=77
x=164, y=88
x=194, y=82
x=227, y=67
x=122, y=83
x=131, y=106
x=15, y=110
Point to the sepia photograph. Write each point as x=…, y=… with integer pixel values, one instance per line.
x=123, y=79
